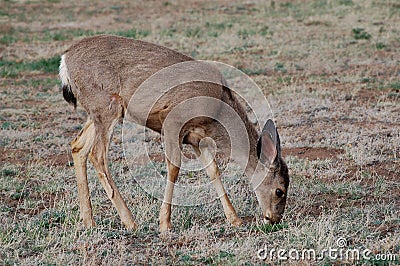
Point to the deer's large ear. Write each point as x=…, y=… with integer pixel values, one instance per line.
x=268, y=146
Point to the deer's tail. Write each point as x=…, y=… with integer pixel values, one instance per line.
x=65, y=82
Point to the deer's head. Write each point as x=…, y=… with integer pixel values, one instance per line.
x=271, y=178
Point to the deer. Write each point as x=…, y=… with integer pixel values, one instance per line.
x=103, y=72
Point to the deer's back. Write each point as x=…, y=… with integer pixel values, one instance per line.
x=102, y=66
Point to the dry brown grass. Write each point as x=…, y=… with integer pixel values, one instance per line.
x=335, y=96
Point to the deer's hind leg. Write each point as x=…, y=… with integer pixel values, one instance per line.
x=104, y=122
x=81, y=147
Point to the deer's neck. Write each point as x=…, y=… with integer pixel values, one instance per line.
x=240, y=148
x=252, y=154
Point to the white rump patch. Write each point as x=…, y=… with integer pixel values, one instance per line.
x=63, y=72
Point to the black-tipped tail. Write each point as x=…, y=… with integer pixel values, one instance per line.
x=69, y=95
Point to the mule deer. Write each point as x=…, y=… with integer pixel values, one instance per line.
x=103, y=72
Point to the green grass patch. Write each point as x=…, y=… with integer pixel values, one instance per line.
x=270, y=228
x=188, y=219
x=68, y=34
x=246, y=33
x=10, y=69
x=43, y=84
x=19, y=195
x=132, y=33
x=50, y=218
x=253, y=72
x=284, y=80
x=395, y=85
x=8, y=39
x=7, y=125
x=280, y=67
x=286, y=5
x=264, y=31
x=8, y=172
x=380, y=45
x=361, y=34
x=222, y=258
x=193, y=32
x=367, y=80
x=346, y=2
x=219, y=26
x=168, y=32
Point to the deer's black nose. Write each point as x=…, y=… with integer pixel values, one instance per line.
x=269, y=220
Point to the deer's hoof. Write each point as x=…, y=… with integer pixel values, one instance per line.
x=165, y=226
x=236, y=222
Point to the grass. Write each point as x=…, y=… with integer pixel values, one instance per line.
x=395, y=85
x=268, y=228
x=8, y=39
x=64, y=35
x=329, y=71
x=360, y=34
x=132, y=33
x=12, y=69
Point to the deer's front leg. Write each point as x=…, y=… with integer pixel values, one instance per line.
x=165, y=211
x=209, y=162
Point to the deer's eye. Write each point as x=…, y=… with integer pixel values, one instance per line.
x=279, y=193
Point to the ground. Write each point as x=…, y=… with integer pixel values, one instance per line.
x=330, y=71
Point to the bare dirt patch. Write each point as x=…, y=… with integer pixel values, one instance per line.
x=322, y=203
x=14, y=156
x=63, y=159
x=313, y=153
x=386, y=170
x=25, y=156
x=41, y=201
